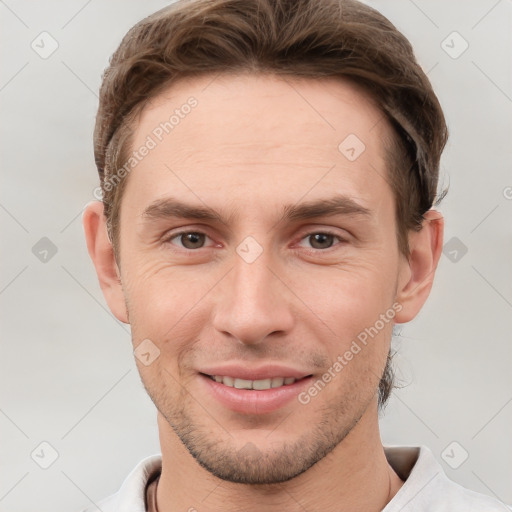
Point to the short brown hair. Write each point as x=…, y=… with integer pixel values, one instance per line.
x=295, y=38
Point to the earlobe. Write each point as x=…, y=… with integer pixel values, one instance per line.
x=102, y=254
x=425, y=250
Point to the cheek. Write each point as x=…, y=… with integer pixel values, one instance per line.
x=170, y=306
x=351, y=297
x=353, y=319
x=165, y=304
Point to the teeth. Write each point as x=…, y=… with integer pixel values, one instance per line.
x=243, y=384
x=260, y=385
x=228, y=381
x=277, y=382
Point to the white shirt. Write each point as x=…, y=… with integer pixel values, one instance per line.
x=426, y=487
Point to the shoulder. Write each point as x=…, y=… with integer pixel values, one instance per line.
x=132, y=493
x=454, y=497
x=428, y=488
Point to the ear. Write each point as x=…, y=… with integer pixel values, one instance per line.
x=102, y=255
x=417, y=272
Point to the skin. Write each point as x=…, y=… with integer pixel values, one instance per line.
x=253, y=145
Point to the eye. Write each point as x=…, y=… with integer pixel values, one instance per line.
x=321, y=240
x=189, y=239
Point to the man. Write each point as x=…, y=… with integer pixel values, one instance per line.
x=269, y=170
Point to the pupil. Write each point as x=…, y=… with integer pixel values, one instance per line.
x=190, y=240
x=321, y=239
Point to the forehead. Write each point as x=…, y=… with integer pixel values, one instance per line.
x=251, y=132
x=267, y=107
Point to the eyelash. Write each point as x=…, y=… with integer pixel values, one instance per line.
x=328, y=233
x=341, y=240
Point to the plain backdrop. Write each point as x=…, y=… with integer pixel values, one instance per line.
x=68, y=377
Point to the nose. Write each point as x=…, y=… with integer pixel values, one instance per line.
x=253, y=302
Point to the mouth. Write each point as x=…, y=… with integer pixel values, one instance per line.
x=258, y=385
x=262, y=394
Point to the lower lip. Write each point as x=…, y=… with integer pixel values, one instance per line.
x=249, y=401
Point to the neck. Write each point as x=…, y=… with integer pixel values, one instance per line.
x=355, y=476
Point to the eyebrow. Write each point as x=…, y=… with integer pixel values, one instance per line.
x=337, y=205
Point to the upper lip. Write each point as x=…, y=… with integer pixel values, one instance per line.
x=268, y=371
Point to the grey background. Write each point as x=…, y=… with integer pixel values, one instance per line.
x=66, y=366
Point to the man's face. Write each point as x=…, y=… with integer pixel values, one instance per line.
x=260, y=293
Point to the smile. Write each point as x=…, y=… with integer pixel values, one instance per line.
x=260, y=385
x=253, y=396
